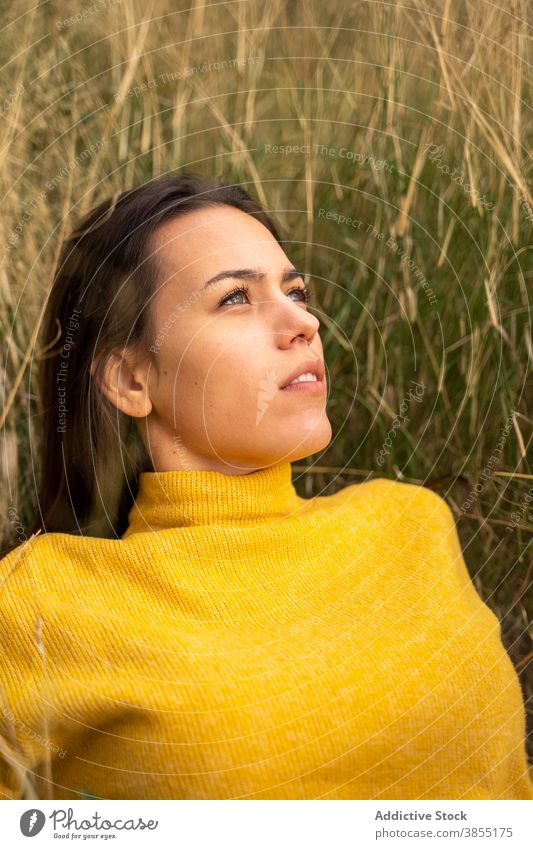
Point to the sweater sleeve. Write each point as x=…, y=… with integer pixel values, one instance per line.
x=24, y=740
x=452, y=544
x=516, y=773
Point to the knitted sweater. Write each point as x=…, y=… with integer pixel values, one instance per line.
x=242, y=642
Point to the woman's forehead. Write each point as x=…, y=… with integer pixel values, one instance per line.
x=202, y=242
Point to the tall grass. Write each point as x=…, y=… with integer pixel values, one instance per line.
x=390, y=110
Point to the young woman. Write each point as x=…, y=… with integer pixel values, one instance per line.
x=185, y=626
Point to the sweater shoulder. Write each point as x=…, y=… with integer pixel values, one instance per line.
x=16, y=571
x=42, y=578
x=418, y=524
x=416, y=499
x=423, y=523
x=46, y=557
x=399, y=501
x=21, y=577
x=415, y=516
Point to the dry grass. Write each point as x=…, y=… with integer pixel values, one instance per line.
x=380, y=80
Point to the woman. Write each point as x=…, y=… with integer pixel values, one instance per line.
x=221, y=637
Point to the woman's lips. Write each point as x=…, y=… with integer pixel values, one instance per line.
x=310, y=387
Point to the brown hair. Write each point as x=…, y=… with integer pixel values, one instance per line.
x=92, y=453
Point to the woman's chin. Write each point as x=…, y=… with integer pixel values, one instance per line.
x=293, y=449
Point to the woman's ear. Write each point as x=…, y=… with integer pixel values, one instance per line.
x=124, y=382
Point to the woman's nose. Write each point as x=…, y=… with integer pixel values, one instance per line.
x=292, y=319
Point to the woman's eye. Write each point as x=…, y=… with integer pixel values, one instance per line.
x=241, y=290
x=303, y=292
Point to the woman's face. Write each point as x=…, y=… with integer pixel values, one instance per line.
x=217, y=403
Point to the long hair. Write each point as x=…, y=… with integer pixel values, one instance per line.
x=100, y=302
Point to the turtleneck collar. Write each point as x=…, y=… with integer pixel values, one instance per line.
x=183, y=498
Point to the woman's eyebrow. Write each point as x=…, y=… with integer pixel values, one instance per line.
x=252, y=274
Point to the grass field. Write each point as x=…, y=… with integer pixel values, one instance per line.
x=393, y=145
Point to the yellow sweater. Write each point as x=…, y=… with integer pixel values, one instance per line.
x=241, y=642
